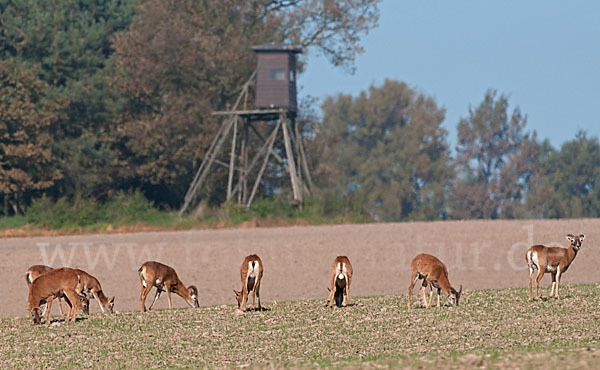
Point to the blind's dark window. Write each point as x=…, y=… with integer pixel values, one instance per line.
x=277, y=74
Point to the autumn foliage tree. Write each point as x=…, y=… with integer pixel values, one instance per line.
x=388, y=147
x=332, y=28
x=27, y=119
x=489, y=181
x=67, y=44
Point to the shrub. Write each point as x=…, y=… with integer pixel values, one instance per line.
x=45, y=213
x=119, y=209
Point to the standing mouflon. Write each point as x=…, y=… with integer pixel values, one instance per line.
x=555, y=260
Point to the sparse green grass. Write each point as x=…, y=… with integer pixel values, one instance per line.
x=12, y=222
x=492, y=328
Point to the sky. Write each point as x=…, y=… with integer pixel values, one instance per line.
x=543, y=55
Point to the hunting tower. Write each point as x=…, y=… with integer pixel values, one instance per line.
x=275, y=105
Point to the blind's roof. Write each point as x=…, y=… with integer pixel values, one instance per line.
x=276, y=46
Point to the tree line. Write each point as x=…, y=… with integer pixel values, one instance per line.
x=101, y=97
x=388, y=147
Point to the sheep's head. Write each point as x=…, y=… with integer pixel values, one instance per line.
x=454, y=296
x=193, y=296
x=238, y=297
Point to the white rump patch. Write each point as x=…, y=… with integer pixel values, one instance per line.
x=533, y=258
x=252, y=272
x=341, y=269
x=143, y=274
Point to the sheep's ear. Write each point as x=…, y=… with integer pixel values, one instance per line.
x=570, y=238
x=581, y=237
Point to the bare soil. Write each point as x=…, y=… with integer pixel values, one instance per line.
x=479, y=255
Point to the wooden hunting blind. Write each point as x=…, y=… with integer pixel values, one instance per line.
x=276, y=76
x=275, y=102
